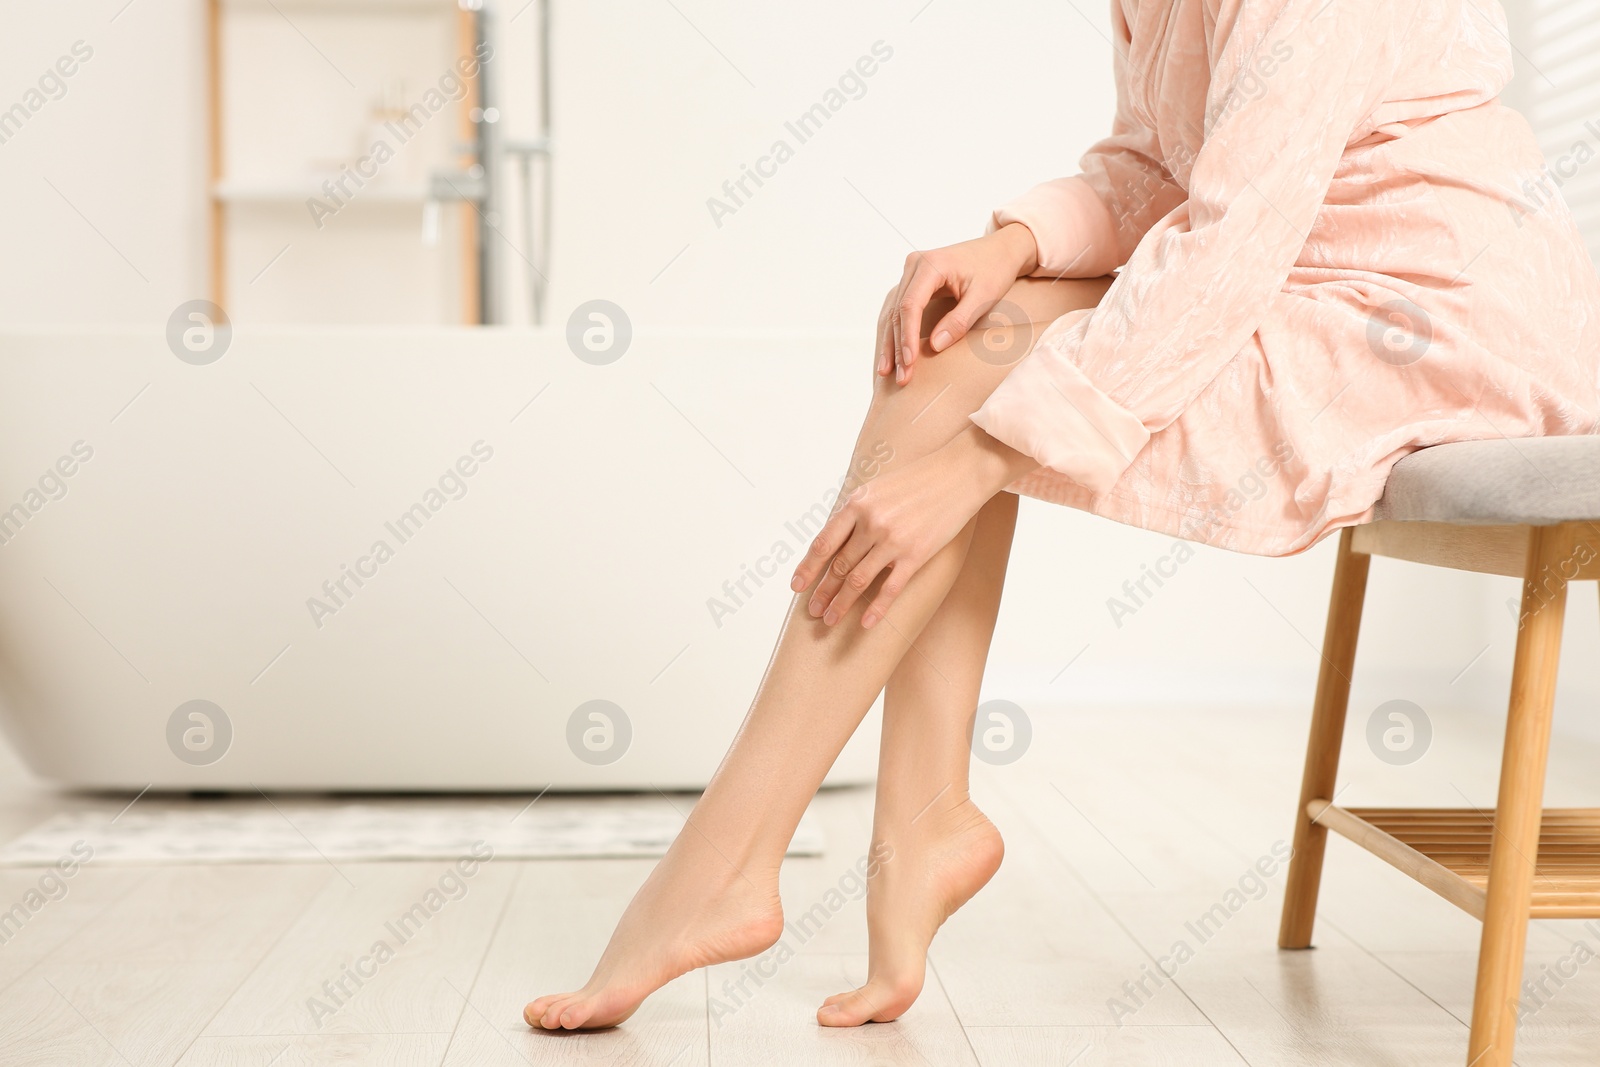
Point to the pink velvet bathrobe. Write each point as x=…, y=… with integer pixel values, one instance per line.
x=1339, y=247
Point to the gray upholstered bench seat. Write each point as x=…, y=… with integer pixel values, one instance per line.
x=1536, y=481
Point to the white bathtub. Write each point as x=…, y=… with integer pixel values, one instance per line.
x=172, y=533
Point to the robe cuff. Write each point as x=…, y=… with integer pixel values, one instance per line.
x=1048, y=409
x=1075, y=233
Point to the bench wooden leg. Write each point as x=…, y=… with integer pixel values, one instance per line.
x=1327, y=735
x=1515, y=847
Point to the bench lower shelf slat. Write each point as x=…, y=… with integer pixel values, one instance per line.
x=1447, y=850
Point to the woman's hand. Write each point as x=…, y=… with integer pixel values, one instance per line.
x=975, y=273
x=899, y=520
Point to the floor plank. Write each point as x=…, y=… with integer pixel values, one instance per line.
x=1064, y=956
x=390, y=1050
x=556, y=923
x=139, y=980
x=1558, y=1025
x=1102, y=1046
x=768, y=1016
x=1327, y=1007
x=51, y=911
x=375, y=957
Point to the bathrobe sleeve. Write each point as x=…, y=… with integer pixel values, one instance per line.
x=1291, y=83
x=1087, y=225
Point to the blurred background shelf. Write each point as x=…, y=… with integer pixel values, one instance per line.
x=238, y=192
x=359, y=7
x=397, y=106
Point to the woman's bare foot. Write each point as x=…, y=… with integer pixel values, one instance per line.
x=694, y=910
x=945, y=856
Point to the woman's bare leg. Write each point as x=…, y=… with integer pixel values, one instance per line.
x=936, y=848
x=943, y=848
x=714, y=896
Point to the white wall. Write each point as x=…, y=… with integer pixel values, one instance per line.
x=104, y=188
x=656, y=106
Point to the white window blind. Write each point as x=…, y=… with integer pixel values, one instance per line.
x=1557, y=86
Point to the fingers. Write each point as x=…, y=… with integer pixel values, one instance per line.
x=836, y=575
x=899, y=574
x=884, y=359
x=827, y=543
x=856, y=582
x=925, y=282
x=847, y=556
x=956, y=324
x=890, y=324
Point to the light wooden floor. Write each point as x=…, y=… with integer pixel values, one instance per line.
x=1122, y=830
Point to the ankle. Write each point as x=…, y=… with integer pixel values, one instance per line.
x=945, y=815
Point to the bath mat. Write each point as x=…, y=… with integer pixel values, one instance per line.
x=302, y=829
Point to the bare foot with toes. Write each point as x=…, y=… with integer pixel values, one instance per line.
x=938, y=863
x=691, y=912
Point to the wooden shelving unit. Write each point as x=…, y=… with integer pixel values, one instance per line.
x=224, y=190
